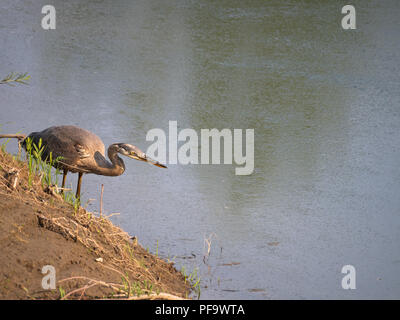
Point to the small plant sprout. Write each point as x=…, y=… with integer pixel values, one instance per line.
x=12, y=78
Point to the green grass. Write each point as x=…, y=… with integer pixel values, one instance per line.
x=137, y=288
x=45, y=168
x=129, y=249
x=69, y=197
x=4, y=144
x=62, y=292
x=38, y=166
x=194, y=279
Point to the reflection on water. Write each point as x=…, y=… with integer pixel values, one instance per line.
x=323, y=103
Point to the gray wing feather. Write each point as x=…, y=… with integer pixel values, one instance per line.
x=74, y=145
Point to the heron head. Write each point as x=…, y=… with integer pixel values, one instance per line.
x=137, y=154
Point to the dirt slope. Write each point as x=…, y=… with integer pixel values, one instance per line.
x=37, y=228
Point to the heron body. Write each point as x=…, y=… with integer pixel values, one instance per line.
x=81, y=151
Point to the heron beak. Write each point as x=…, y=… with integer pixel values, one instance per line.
x=135, y=156
x=156, y=163
x=146, y=159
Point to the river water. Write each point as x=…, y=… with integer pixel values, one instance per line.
x=324, y=104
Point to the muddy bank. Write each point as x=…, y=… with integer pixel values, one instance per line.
x=92, y=257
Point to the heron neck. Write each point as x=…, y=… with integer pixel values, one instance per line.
x=115, y=168
x=118, y=165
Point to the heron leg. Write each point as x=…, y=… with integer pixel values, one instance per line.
x=64, y=178
x=78, y=188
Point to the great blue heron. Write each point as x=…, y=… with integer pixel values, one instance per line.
x=82, y=151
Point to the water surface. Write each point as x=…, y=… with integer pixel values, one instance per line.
x=324, y=104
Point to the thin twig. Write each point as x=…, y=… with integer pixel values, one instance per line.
x=153, y=296
x=101, y=200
